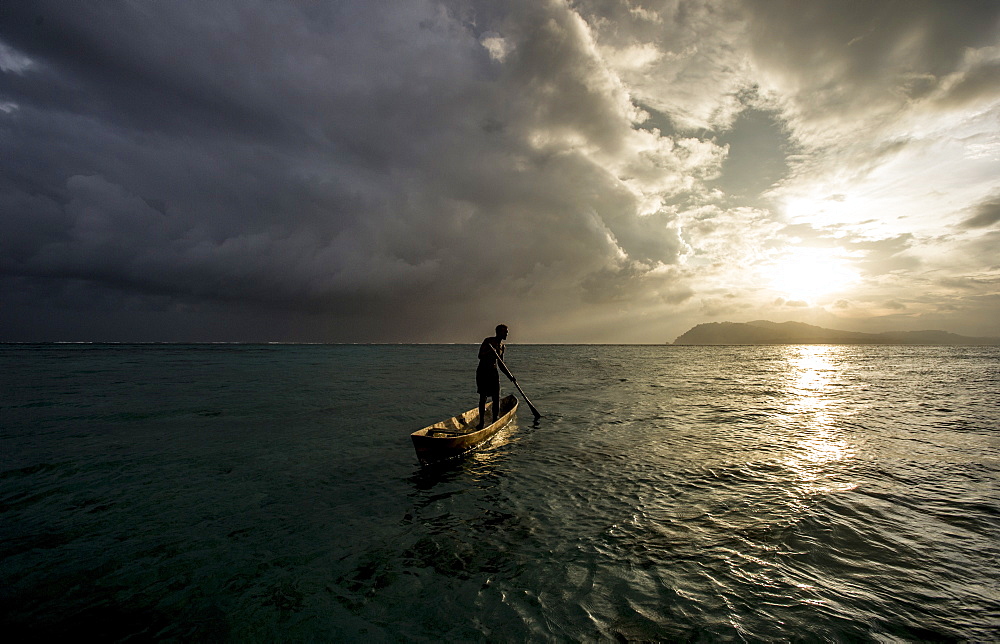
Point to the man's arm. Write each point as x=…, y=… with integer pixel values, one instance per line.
x=486, y=350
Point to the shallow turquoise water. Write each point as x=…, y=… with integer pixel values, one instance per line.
x=270, y=492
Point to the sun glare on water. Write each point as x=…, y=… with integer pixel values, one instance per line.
x=810, y=273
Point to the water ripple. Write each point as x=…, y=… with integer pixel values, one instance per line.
x=669, y=493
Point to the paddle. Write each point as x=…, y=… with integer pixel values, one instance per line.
x=532, y=407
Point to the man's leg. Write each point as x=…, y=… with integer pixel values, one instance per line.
x=482, y=410
x=496, y=407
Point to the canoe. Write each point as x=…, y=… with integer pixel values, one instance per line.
x=458, y=435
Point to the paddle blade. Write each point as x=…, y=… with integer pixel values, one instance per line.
x=530, y=406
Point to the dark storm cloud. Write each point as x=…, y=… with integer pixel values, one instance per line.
x=986, y=214
x=759, y=148
x=316, y=157
x=979, y=81
x=846, y=55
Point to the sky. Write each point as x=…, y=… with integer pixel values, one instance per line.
x=418, y=171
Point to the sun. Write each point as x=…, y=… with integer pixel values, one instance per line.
x=809, y=274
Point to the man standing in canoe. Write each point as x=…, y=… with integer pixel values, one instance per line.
x=487, y=377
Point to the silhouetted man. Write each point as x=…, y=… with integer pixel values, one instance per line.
x=487, y=377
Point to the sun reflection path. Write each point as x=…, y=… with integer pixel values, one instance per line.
x=813, y=410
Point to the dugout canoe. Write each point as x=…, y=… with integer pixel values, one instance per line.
x=458, y=435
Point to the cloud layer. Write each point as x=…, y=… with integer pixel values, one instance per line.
x=395, y=172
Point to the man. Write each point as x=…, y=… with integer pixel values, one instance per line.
x=487, y=377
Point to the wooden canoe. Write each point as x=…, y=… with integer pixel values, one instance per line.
x=458, y=435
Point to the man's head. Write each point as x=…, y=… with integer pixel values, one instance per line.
x=501, y=331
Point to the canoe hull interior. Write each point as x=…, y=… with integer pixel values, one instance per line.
x=459, y=434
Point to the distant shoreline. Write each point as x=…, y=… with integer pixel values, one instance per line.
x=763, y=332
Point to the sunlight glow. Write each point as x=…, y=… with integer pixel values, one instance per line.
x=808, y=379
x=820, y=445
x=811, y=273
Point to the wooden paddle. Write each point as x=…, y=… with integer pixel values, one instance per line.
x=530, y=406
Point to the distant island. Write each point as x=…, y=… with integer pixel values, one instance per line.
x=764, y=332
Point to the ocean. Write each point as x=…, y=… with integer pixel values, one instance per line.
x=262, y=493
